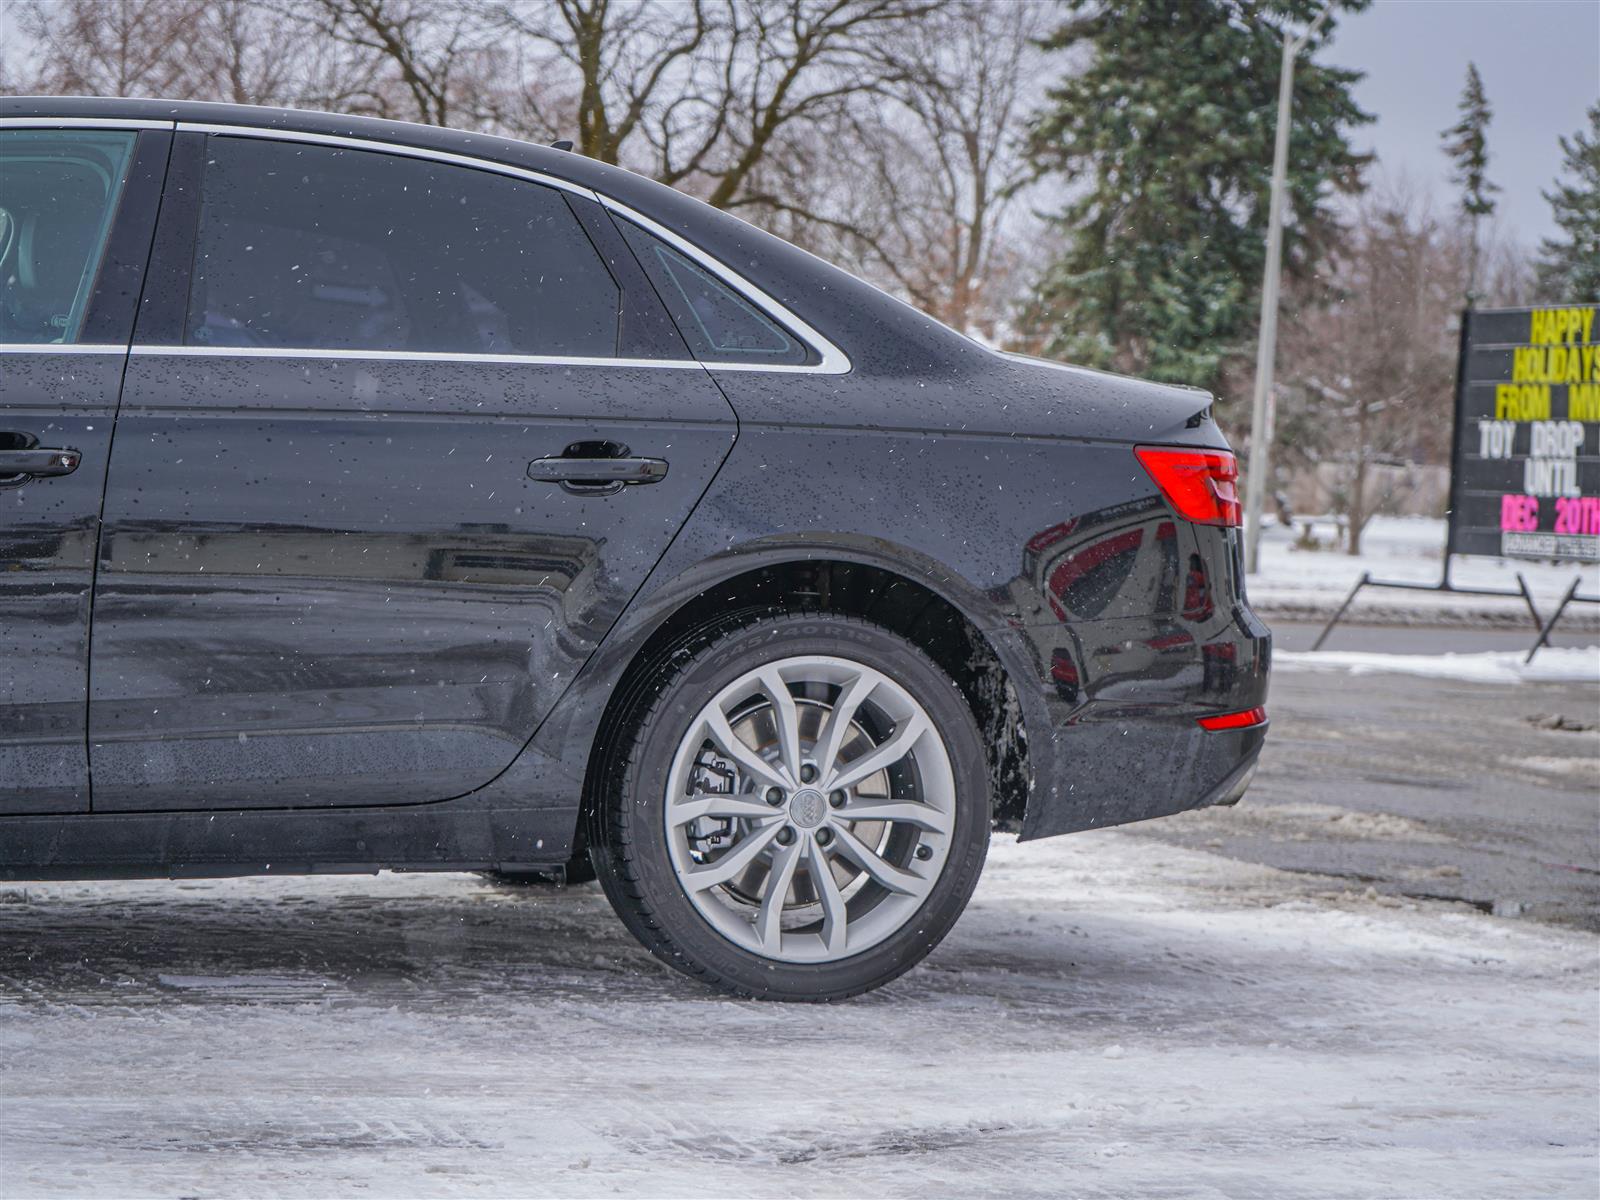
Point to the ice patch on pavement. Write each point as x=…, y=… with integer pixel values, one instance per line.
x=1562, y=665
x=252, y=987
x=1303, y=822
x=1552, y=764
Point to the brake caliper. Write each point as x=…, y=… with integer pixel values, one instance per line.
x=712, y=776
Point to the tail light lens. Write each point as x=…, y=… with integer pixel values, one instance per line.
x=1234, y=720
x=1201, y=485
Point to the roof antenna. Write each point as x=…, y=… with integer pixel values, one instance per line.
x=561, y=144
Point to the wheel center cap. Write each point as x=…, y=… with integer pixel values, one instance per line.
x=807, y=808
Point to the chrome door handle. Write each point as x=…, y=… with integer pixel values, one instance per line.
x=17, y=465
x=590, y=476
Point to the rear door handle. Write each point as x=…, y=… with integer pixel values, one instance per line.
x=596, y=476
x=16, y=465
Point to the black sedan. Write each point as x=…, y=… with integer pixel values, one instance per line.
x=377, y=497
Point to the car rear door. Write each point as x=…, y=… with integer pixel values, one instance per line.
x=77, y=205
x=400, y=437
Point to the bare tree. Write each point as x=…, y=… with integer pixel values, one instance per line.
x=232, y=56
x=806, y=59
x=107, y=47
x=1369, y=371
x=917, y=187
x=259, y=52
x=241, y=51
x=431, y=57
x=699, y=94
x=965, y=99
x=624, y=63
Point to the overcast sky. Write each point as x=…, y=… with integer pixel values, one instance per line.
x=1540, y=62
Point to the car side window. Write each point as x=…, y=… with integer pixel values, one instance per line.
x=58, y=193
x=322, y=248
x=719, y=324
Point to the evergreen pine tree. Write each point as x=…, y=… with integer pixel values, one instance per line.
x=1569, y=267
x=1164, y=141
x=1466, y=145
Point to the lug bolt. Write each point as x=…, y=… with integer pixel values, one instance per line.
x=786, y=835
x=836, y=799
x=924, y=852
x=824, y=836
x=774, y=796
x=808, y=773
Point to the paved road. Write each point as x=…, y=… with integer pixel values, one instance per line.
x=1423, y=788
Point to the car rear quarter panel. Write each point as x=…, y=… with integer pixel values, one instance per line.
x=1117, y=623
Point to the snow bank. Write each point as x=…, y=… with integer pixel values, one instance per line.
x=1411, y=550
x=1563, y=664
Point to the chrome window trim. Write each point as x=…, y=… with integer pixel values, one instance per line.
x=537, y=360
x=834, y=360
x=350, y=143
x=82, y=123
x=61, y=348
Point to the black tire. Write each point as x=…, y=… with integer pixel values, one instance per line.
x=628, y=827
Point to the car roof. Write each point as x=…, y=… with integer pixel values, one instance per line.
x=400, y=133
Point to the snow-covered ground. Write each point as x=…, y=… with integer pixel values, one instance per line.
x=1113, y=1017
x=1294, y=581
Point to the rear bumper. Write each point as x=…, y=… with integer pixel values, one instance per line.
x=1116, y=737
x=1134, y=771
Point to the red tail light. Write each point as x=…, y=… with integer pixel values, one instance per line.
x=1235, y=720
x=1199, y=484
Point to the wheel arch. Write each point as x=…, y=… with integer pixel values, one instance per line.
x=806, y=576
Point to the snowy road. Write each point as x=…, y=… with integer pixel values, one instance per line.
x=1114, y=1016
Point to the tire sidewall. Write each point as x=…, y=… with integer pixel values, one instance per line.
x=644, y=835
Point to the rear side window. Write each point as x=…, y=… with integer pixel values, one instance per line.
x=719, y=324
x=58, y=193
x=320, y=248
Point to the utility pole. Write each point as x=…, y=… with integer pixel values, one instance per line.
x=1267, y=342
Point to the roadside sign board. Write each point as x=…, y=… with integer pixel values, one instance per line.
x=1525, y=471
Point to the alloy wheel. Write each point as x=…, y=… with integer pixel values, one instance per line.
x=809, y=809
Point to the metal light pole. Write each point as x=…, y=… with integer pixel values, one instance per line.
x=1267, y=343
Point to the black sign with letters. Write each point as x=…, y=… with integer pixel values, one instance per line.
x=1525, y=470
